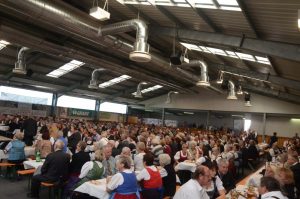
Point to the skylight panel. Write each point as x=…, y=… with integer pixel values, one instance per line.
x=245, y=56
x=204, y=49
x=228, y=53
x=3, y=44
x=263, y=60
x=231, y=54
x=66, y=68
x=114, y=81
x=150, y=89
x=216, y=51
x=210, y=4
x=228, y=2
x=191, y=46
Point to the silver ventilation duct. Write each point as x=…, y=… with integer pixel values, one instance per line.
x=72, y=20
x=138, y=93
x=169, y=100
x=20, y=65
x=203, y=80
x=94, y=79
x=231, y=93
x=140, y=51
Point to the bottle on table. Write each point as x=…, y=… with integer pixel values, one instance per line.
x=38, y=156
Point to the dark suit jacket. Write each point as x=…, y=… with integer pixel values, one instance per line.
x=228, y=181
x=296, y=171
x=73, y=141
x=56, y=166
x=30, y=127
x=78, y=160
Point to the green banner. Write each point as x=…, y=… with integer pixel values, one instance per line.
x=79, y=112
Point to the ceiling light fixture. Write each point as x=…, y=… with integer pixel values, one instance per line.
x=66, y=68
x=100, y=13
x=114, y=81
x=220, y=78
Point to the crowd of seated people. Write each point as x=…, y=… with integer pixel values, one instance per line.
x=96, y=150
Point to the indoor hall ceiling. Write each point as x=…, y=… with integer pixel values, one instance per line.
x=264, y=28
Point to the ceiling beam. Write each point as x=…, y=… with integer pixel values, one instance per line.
x=170, y=16
x=204, y=17
x=272, y=48
x=248, y=17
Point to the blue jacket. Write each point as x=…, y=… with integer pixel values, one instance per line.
x=16, y=151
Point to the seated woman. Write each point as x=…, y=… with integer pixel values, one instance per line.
x=44, y=146
x=182, y=155
x=15, y=149
x=123, y=185
x=193, y=151
x=168, y=175
x=150, y=179
x=214, y=188
x=92, y=170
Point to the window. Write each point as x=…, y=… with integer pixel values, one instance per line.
x=113, y=107
x=247, y=125
x=24, y=95
x=76, y=102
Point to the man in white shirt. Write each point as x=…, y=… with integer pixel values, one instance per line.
x=193, y=188
x=269, y=189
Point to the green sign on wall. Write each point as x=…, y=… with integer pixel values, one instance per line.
x=79, y=112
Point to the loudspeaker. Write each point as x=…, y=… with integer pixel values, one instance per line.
x=176, y=58
x=29, y=73
x=247, y=97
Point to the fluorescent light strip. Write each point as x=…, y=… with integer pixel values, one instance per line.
x=66, y=68
x=150, y=89
x=114, y=81
x=227, y=53
x=3, y=44
x=222, y=4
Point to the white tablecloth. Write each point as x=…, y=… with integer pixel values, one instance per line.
x=262, y=146
x=96, y=190
x=32, y=164
x=190, y=166
x=4, y=128
x=29, y=150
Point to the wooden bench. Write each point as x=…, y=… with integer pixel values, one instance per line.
x=28, y=172
x=54, y=192
x=7, y=164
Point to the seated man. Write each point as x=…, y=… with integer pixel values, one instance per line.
x=54, y=169
x=225, y=176
x=193, y=189
x=269, y=189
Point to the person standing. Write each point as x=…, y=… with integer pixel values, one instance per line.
x=30, y=128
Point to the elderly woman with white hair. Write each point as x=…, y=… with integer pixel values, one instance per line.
x=15, y=149
x=168, y=175
x=193, y=150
